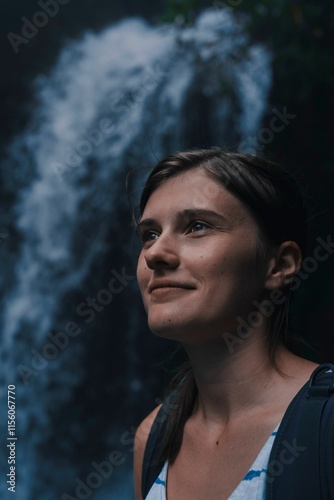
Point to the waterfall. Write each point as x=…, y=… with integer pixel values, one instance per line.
x=114, y=101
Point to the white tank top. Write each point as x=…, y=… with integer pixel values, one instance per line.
x=252, y=487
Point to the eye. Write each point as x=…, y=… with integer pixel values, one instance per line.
x=197, y=225
x=147, y=236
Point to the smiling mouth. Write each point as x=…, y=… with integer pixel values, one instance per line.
x=161, y=291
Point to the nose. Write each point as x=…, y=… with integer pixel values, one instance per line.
x=163, y=253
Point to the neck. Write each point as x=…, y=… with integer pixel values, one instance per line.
x=236, y=384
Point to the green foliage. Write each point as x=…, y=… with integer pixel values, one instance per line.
x=301, y=36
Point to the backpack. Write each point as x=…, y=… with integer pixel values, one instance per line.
x=301, y=462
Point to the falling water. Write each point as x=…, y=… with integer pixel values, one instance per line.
x=114, y=101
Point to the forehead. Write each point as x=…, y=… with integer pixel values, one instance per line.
x=195, y=189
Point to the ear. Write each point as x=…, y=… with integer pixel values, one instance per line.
x=284, y=264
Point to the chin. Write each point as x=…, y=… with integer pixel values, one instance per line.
x=184, y=332
x=163, y=330
x=166, y=328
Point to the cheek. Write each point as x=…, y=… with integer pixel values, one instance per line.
x=142, y=279
x=142, y=273
x=233, y=270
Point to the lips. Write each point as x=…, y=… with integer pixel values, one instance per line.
x=169, y=284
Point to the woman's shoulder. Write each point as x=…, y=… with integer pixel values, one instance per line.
x=143, y=430
x=141, y=436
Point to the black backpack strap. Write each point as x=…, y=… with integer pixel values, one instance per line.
x=301, y=460
x=327, y=440
x=152, y=468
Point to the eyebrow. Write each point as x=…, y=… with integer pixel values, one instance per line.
x=188, y=213
x=202, y=212
x=145, y=223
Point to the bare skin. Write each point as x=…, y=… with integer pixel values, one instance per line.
x=241, y=396
x=235, y=414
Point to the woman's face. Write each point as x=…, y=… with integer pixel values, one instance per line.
x=198, y=269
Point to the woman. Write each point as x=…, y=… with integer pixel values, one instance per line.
x=223, y=235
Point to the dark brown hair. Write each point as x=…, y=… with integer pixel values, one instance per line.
x=273, y=197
